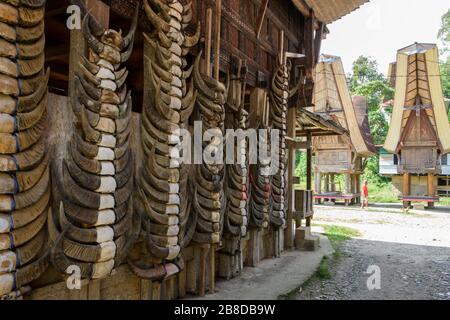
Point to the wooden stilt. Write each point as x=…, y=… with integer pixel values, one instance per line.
x=212, y=269
x=348, y=183
x=182, y=284
x=208, y=42
x=309, y=163
x=218, y=30
x=146, y=289
x=431, y=189
x=289, y=232
x=326, y=181
x=406, y=189
x=204, y=250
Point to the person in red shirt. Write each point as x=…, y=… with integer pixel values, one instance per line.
x=365, y=195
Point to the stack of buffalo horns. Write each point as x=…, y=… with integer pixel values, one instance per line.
x=279, y=98
x=260, y=177
x=236, y=217
x=24, y=171
x=169, y=100
x=209, y=197
x=93, y=204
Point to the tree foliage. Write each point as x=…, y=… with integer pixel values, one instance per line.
x=444, y=36
x=365, y=80
x=444, y=31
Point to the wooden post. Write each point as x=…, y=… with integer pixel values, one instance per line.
x=332, y=182
x=146, y=289
x=261, y=16
x=218, y=30
x=289, y=232
x=254, y=248
x=358, y=187
x=182, y=283
x=326, y=179
x=348, y=183
x=309, y=163
x=94, y=289
x=406, y=188
x=406, y=184
x=212, y=269
x=431, y=189
x=156, y=290
x=281, y=47
x=318, y=182
x=208, y=42
x=204, y=249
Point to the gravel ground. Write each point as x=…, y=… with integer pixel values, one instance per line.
x=412, y=251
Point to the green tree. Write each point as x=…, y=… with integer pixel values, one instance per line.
x=365, y=70
x=444, y=31
x=444, y=36
x=365, y=80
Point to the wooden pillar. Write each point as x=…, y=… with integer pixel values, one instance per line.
x=348, y=183
x=318, y=182
x=309, y=163
x=204, y=250
x=289, y=232
x=326, y=182
x=406, y=188
x=431, y=189
x=332, y=182
x=358, y=187
x=406, y=184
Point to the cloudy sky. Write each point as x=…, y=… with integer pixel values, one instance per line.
x=381, y=27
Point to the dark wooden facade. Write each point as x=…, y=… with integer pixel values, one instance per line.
x=250, y=31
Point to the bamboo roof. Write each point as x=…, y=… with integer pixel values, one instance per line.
x=332, y=98
x=417, y=81
x=328, y=11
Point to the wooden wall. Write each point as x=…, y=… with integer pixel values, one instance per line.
x=239, y=24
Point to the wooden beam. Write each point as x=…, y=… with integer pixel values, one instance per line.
x=303, y=7
x=309, y=163
x=208, y=42
x=217, y=30
x=309, y=45
x=261, y=16
x=431, y=189
x=318, y=41
x=289, y=232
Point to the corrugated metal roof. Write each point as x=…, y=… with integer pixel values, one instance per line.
x=328, y=11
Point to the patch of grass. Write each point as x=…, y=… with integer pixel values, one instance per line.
x=338, y=234
x=323, y=272
x=382, y=194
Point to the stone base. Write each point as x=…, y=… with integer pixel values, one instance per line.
x=305, y=241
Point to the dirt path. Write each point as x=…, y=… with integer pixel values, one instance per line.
x=411, y=250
